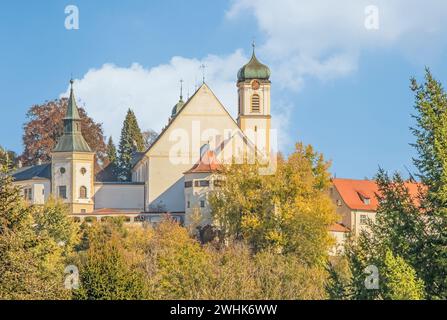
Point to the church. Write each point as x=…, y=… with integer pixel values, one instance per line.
x=175, y=174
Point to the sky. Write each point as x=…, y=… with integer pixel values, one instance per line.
x=340, y=69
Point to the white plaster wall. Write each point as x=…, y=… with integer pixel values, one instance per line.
x=172, y=155
x=119, y=196
x=41, y=189
x=83, y=180
x=355, y=219
x=62, y=179
x=194, y=195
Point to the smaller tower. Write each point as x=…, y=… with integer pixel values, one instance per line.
x=179, y=105
x=254, y=103
x=72, y=163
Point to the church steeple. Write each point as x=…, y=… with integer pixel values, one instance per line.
x=253, y=82
x=72, y=139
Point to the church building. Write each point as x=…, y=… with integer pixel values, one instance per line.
x=175, y=174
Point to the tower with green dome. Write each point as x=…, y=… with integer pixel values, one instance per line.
x=254, y=118
x=72, y=163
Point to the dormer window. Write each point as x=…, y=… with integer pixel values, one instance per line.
x=364, y=197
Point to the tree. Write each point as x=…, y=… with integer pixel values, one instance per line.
x=400, y=280
x=111, y=151
x=7, y=156
x=289, y=211
x=149, y=137
x=32, y=262
x=45, y=125
x=431, y=146
x=131, y=141
x=177, y=265
x=109, y=265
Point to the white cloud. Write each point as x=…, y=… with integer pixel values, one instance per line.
x=324, y=39
x=109, y=91
x=320, y=38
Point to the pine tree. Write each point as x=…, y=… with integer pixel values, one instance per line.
x=131, y=141
x=111, y=151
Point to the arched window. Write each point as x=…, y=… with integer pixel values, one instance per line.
x=83, y=192
x=255, y=103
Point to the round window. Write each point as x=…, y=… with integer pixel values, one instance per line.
x=62, y=170
x=83, y=170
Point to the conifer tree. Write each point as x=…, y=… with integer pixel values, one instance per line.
x=111, y=151
x=431, y=146
x=131, y=142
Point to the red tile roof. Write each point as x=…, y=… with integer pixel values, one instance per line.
x=207, y=163
x=338, y=227
x=354, y=192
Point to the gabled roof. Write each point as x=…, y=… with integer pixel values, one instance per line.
x=207, y=164
x=355, y=192
x=204, y=85
x=42, y=171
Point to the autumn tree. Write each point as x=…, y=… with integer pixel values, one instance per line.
x=131, y=141
x=289, y=211
x=109, y=265
x=45, y=125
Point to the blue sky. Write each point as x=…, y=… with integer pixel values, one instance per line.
x=335, y=84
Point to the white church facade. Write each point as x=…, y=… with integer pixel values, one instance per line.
x=179, y=169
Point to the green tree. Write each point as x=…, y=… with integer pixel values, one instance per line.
x=400, y=281
x=431, y=146
x=131, y=141
x=111, y=151
x=32, y=262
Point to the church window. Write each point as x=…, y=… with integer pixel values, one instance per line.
x=83, y=211
x=188, y=204
x=83, y=171
x=83, y=192
x=63, y=192
x=62, y=170
x=188, y=184
x=255, y=103
x=202, y=203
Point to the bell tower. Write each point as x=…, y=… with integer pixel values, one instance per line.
x=254, y=103
x=72, y=163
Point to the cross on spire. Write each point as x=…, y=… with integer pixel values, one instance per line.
x=181, y=89
x=202, y=66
